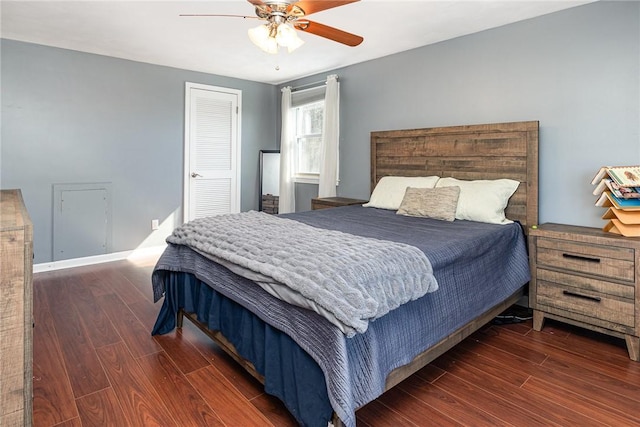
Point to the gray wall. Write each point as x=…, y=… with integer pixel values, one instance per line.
x=576, y=71
x=72, y=117
x=75, y=117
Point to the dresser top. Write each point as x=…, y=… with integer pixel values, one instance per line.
x=583, y=234
x=13, y=214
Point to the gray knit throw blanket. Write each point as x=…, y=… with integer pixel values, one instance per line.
x=356, y=278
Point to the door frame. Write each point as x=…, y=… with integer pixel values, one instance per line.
x=186, y=142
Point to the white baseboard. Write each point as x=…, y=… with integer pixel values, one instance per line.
x=98, y=259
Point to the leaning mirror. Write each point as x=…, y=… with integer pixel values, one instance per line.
x=269, y=181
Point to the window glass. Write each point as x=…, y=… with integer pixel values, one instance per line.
x=309, y=155
x=309, y=118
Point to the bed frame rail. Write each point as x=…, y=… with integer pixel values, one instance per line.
x=219, y=339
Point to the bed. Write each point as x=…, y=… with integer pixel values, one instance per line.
x=319, y=371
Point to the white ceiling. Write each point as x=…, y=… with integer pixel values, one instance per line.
x=153, y=32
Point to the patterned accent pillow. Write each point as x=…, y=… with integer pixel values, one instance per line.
x=436, y=203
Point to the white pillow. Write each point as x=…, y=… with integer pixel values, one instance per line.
x=390, y=190
x=482, y=200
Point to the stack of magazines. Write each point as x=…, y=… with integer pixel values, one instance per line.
x=618, y=189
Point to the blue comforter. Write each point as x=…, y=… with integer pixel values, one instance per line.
x=477, y=266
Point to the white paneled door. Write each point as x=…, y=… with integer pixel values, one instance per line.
x=212, y=151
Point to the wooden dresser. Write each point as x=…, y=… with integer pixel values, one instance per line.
x=586, y=277
x=16, y=321
x=334, y=202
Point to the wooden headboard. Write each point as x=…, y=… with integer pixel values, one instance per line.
x=490, y=151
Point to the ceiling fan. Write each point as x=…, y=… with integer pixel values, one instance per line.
x=284, y=16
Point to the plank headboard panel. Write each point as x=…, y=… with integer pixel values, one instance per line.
x=489, y=151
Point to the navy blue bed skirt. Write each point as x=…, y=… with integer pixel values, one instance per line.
x=289, y=372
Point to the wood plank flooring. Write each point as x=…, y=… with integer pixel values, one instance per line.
x=96, y=364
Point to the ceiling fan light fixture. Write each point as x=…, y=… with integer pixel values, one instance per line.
x=295, y=44
x=260, y=36
x=286, y=36
x=270, y=36
x=271, y=46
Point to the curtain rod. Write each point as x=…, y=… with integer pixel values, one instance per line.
x=307, y=85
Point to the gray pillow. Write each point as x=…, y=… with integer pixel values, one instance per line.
x=437, y=203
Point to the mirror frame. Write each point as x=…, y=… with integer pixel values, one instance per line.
x=261, y=172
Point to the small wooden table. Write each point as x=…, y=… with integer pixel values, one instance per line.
x=334, y=202
x=586, y=277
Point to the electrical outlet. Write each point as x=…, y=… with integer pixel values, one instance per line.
x=155, y=224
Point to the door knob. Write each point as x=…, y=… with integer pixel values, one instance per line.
x=195, y=175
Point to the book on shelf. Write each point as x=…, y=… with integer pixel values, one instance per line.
x=624, y=176
x=621, y=203
x=615, y=189
x=625, y=192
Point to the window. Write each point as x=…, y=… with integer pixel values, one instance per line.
x=308, y=141
x=308, y=114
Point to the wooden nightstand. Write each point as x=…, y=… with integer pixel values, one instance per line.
x=334, y=202
x=588, y=278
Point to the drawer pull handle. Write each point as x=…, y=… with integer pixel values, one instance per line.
x=582, y=258
x=577, y=295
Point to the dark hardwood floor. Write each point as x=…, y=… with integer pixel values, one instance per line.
x=96, y=364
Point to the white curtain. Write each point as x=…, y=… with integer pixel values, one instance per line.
x=331, y=133
x=287, y=198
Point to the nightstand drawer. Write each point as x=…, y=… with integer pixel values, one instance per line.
x=596, y=305
x=587, y=283
x=606, y=261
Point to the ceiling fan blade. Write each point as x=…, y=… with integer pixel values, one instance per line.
x=327, y=32
x=313, y=6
